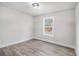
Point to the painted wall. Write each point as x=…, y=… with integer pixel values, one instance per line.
x=77, y=28
x=15, y=26
x=64, y=28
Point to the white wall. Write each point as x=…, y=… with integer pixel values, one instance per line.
x=64, y=28
x=77, y=28
x=15, y=26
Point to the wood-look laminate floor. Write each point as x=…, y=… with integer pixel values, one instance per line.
x=36, y=48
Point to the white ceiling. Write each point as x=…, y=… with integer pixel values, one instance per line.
x=45, y=7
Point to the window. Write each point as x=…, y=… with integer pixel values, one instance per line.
x=48, y=26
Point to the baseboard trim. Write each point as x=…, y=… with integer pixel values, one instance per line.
x=56, y=43
x=12, y=43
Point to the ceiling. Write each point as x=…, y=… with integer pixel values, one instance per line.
x=45, y=7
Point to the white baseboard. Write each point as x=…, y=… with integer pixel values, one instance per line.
x=56, y=43
x=12, y=43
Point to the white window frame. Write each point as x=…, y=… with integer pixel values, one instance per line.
x=48, y=17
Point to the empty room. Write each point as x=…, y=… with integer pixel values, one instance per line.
x=39, y=28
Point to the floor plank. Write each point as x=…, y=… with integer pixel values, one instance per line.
x=36, y=48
